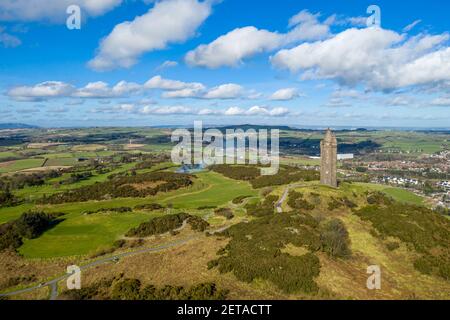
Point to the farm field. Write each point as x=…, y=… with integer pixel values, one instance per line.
x=91, y=230
x=17, y=165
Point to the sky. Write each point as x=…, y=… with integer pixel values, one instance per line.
x=172, y=62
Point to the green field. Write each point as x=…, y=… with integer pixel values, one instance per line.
x=7, y=154
x=82, y=234
x=396, y=193
x=20, y=165
x=218, y=190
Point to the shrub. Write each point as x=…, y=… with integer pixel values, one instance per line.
x=131, y=289
x=158, y=225
x=254, y=252
x=138, y=186
x=296, y=201
x=240, y=199
x=149, y=206
x=197, y=223
x=335, y=240
x=225, y=212
x=391, y=246
x=427, y=232
x=264, y=208
x=29, y=225
x=127, y=289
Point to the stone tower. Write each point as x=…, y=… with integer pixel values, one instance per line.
x=328, y=159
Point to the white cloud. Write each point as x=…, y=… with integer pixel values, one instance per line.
x=441, y=102
x=253, y=111
x=357, y=21
x=8, y=40
x=101, y=89
x=41, y=91
x=230, y=49
x=377, y=58
x=169, y=21
x=285, y=94
x=167, y=64
x=399, y=101
x=225, y=91
x=157, y=82
x=165, y=110
x=51, y=10
x=342, y=93
x=409, y=27
x=183, y=93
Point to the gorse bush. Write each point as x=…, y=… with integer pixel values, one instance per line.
x=160, y=225
x=264, y=208
x=29, y=225
x=237, y=172
x=7, y=199
x=149, y=207
x=240, y=199
x=335, y=240
x=252, y=174
x=142, y=185
x=224, y=212
x=117, y=209
x=296, y=201
x=254, y=252
x=423, y=229
x=341, y=203
x=132, y=289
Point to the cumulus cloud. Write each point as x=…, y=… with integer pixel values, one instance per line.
x=41, y=91
x=158, y=82
x=101, y=89
x=169, y=21
x=377, y=58
x=51, y=10
x=232, y=48
x=285, y=94
x=165, y=110
x=185, y=110
x=253, y=111
x=225, y=91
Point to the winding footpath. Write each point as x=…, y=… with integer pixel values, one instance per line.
x=53, y=284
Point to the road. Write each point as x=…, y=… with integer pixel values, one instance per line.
x=283, y=198
x=53, y=284
x=279, y=204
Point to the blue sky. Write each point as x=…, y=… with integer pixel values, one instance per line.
x=170, y=62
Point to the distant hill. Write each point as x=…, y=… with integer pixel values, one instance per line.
x=246, y=127
x=16, y=126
